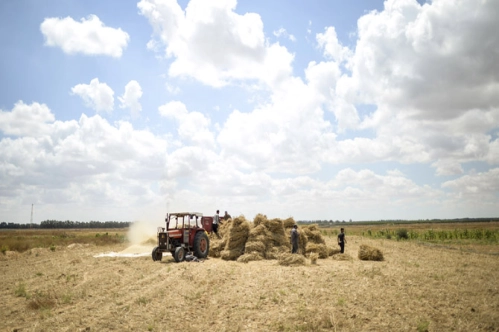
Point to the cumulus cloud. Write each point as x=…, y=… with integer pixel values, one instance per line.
x=96, y=95
x=25, y=119
x=63, y=166
x=333, y=49
x=427, y=70
x=213, y=44
x=285, y=134
x=193, y=127
x=481, y=188
x=89, y=37
x=432, y=61
x=131, y=96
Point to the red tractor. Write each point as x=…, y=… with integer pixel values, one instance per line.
x=185, y=232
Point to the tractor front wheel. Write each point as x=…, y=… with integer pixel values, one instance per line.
x=201, y=245
x=179, y=255
x=156, y=254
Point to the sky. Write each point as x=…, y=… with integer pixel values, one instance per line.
x=339, y=110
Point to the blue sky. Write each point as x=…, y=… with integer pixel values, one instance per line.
x=362, y=110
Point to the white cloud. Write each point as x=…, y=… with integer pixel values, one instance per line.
x=96, y=95
x=213, y=44
x=66, y=166
x=25, y=119
x=331, y=45
x=428, y=71
x=90, y=36
x=131, y=96
x=281, y=32
x=286, y=134
x=193, y=127
x=480, y=186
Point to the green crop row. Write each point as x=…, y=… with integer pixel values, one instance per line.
x=488, y=235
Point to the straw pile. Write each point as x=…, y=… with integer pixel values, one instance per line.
x=367, y=253
x=256, y=246
x=287, y=259
x=266, y=240
x=254, y=256
x=288, y=223
x=216, y=244
x=333, y=251
x=237, y=235
x=313, y=257
x=342, y=257
x=315, y=242
x=319, y=249
x=313, y=234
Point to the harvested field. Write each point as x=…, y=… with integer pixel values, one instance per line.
x=416, y=287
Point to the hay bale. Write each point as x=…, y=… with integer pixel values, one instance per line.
x=249, y=257
x=302, y=241
x=280, y=240
x=274, y=226
x=318, y=248
x=230, y=255
x=288, y=223
x=259, y=219
x=342, y=257
x=255, y=247
x=313, y=257
x=313, y=234
x=259, y=230
x=367, y=253
x=333, y=251
x=216, y=247
x=236, y=236
x=288, y=259
x=275, y=252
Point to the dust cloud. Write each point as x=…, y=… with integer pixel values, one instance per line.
x=142, y=238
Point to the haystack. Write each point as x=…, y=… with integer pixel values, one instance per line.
x=288, y=259
x=318, y=248
x=313, y=234
x=255, y=256
x=313, y=257
x=278, y=242
x=342, y=257
x=288, y=223
x=216, y=247
x=333, y=251
x=237, y=235
x=259, y=219
x=367, y=253
x=256, y=246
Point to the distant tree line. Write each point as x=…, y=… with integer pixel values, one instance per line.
x=67, y=224
x=326, y=223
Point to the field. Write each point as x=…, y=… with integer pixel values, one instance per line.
x=422, y=285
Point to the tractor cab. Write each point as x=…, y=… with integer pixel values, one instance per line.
x=184, y=232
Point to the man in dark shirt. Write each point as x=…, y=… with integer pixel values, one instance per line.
x=294, y=239
x=342, y=240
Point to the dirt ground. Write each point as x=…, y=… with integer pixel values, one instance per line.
x=417, y=288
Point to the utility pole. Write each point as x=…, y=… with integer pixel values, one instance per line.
x=31, y=216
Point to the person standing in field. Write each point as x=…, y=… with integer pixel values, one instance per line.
x=294, y=239
x=216, y=221
x=342, y=240
x=227, y=216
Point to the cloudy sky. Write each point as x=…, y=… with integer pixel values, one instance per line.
x=362, y=110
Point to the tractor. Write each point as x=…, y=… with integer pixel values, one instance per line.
x=185, y=232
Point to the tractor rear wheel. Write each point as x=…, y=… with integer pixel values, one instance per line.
x=201, y=245
x=179, y=255
x=156, y=254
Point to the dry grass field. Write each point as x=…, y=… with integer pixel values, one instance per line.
x=418, y=287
